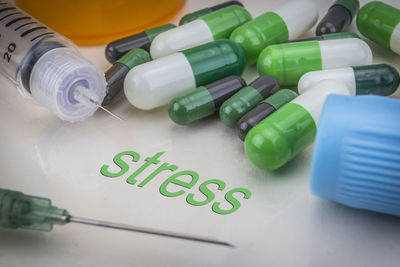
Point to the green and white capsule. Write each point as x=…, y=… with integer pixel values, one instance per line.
x=246, y=99
x=380, y=79
x=290, y=129
x=380, y=23
x=155, y=83
x=202, y=12
x=203, y=101
x=287, y=22
x=263, y=110
x=329, y=36
x=214, y=26
x=288, y=62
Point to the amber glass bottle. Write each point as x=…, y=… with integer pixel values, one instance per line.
x=90, y=22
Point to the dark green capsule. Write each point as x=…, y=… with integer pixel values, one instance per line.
x=379, y=79
x=199, y=13
x=263, y=110
x=246, y=99
x=204, y=100
x=116, y=49
x=116, y=74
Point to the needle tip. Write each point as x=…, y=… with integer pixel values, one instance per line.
x=109, y=112
x=226, y=244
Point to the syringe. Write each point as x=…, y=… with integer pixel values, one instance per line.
x=18, y=210
x=47, y=66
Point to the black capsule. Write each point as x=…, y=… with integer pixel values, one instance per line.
x=116, y=74
x=116, y=49
x=246, y=99
x=339, y=15
x=263, y=110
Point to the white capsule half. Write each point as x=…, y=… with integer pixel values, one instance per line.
x=183, y=37
x=395, y=39
x=313, y=100
x=295, y=23
x=155, y=83
x=342, y=53
x=310, y=79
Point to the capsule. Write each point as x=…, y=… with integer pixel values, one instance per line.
x=380, y=79
x=289, y=130
x=380, y=23
x=288, y=62
x=274, y=27
x=339, y=16
x=214, y=26
x=202, y=12
x=155, y=83
x=116, y=49
x=263, y=110
x=329, y=36
x=203, y=101
x=246, y=99
x=116, y=74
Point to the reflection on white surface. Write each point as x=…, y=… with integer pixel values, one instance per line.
x=67, y=152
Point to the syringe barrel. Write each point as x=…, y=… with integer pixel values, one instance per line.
x=25, y=47
x=19, y=35
x=22, y=211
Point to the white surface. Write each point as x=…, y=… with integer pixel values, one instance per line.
x=341, y=53
x=313, y=99
x=310, y=79
x=395, y=39
x=155, y=83
x=183, y=37
x=282, y=224
x=296, y=23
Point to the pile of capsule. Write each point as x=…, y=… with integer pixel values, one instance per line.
x=196, y=68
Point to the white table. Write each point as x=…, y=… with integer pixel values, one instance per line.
x=281, y=224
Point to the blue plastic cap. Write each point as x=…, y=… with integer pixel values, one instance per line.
x=356, y=158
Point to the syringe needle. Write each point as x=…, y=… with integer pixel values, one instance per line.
x=109, y=112
x=146, y=230
x=37, y=213
x=81, y=94
x=106, y=110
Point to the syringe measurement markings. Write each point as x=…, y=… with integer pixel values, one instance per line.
x=27, y=28
x=7, y=8
x=10, y=15
x=32, y=30
x=40, y=35
x=20, y=26
x=16, y=20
